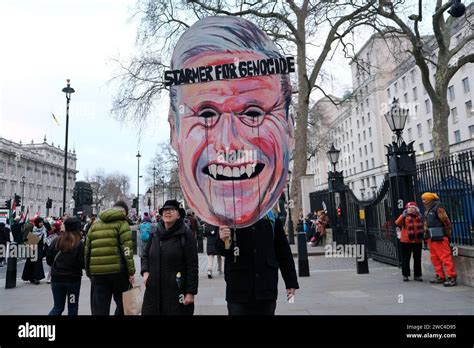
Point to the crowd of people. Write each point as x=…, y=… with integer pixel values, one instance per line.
x=167, y=247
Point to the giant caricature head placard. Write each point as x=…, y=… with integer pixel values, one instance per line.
x=229, y=117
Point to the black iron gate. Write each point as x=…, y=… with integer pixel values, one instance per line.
x=375, y=217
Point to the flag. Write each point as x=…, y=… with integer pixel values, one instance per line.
x=55, y=119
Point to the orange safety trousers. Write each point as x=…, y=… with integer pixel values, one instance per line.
x=441, y=255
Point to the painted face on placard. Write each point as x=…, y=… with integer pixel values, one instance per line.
x=233, y=139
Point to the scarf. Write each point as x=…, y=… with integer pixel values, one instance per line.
x=414, y=224
x=40, y=232
x=164, y=233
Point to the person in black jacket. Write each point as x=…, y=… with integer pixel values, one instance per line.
x=170, y=265
x=4, y=239
x=66, y=258
x=252, y=276
x=212, y=234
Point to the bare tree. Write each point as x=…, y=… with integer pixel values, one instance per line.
x=166, y=180
x=107, y=188
x=290, y=25
x=442, y=53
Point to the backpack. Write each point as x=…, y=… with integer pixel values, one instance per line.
x=145, y=231
x=270, y=216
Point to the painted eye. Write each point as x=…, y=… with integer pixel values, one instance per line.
x=209, y=117
x=252, y=116
x=208, y=113
x=254, y=112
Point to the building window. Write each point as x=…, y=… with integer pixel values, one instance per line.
x=361, y=166
x=353, y=161
x=410, y=135
x=352, y=145
x=430, y=126
x=471, y=132
x=412, y=75
x=2, y=188
x=457, y=136
x=370, y=131
x=363, y=120
x=368, y=117
x=358, y=124
x=427, y=106
x=351, y=133
x=358, y=135
x=2, y=167
x=416, y=112
x=454, y=114
x=367, y=168
x=469, y=110
x=415, y=93
x=365, y=149
x=367, y=100
x=395, y=86
x=465, y=85
x=404, y=82
x=405, y=97
x=360, y=152
x=388, y=93
x=431, y=145
x=418, y=127
x=373, y=163
x=371, y=148
x=422, y=148
x=451, y=94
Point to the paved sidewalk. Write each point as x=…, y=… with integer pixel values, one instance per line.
x=332, y=288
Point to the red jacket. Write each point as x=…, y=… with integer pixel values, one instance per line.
x=417, y=226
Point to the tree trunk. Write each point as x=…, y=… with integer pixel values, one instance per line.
x=440, y=128
x=299, y=156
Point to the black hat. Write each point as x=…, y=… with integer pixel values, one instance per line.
x=72, y=224
x=173, y=203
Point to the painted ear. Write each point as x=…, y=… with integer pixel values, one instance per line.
x=173, y=135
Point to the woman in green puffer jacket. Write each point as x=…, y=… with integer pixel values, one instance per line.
x=109, y=259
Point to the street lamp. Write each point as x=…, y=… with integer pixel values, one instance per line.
x=138, y=183
x=23, y=182
x=291, y=236
x=149, y=200
x=154, y=197
x=336, y=185
x=396, y=118
x=163, y=181
x=68, y=90
x=333, y=155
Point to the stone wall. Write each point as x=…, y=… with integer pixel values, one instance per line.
x=464, y=263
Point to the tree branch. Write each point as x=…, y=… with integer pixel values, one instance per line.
x=461, y=61
x=251, y=12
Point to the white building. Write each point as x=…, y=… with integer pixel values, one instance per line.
x=35, y=172
x=361, y=131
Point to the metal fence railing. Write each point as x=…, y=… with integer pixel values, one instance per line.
x=452, y=179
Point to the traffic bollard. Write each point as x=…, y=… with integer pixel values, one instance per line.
x=303, y=264
x=361, y=244
x=10, y=281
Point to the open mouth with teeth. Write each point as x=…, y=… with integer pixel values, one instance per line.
x=242, y=172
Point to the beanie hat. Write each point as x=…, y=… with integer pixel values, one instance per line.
x=410, y=204
x=429, y=196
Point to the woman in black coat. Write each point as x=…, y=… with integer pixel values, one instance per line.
x=170, y=266
x=212, y=234
x=33, y=270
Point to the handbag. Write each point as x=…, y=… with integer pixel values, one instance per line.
x=436, y=234
x=133, y=301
